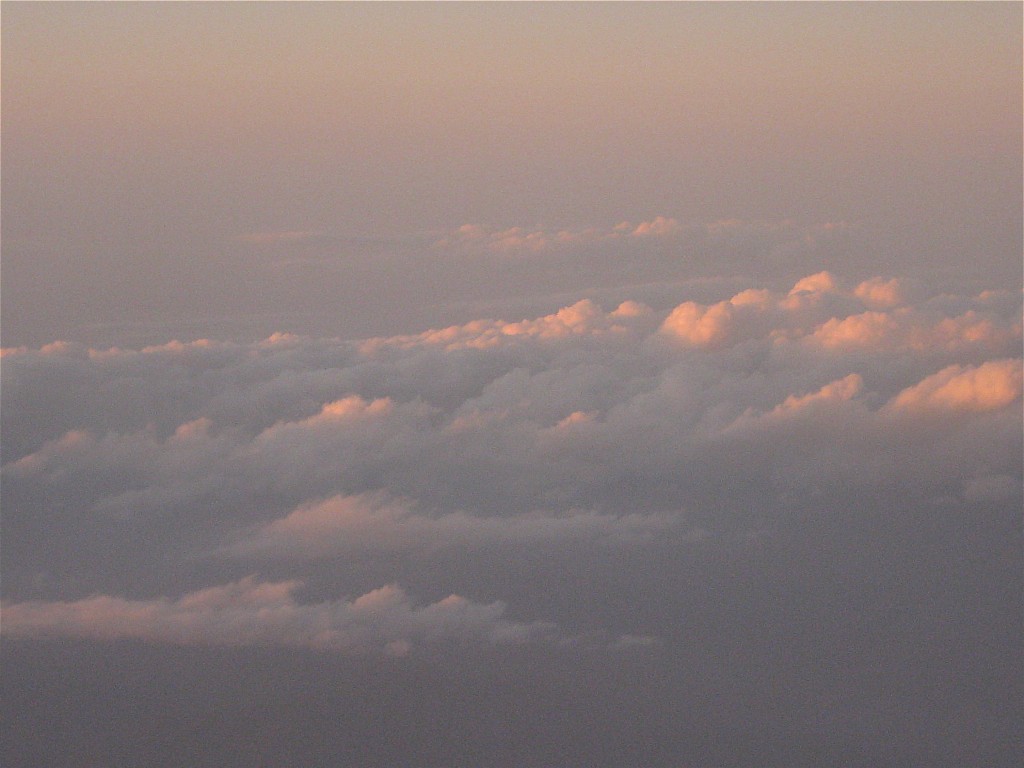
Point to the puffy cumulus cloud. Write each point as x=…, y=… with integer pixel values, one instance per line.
x=819, y=311
x=698, y=325
x=590, y=431
x=877, y=293
x=375, y=520
x=840, y=390
x=348, y=410
x=584, y=318
x=964, y=389
x=821, y=282
x=836, y=405
x=911, y=329
x=250, y=612
x=750, y=314
x=754, y=313
x=869, y=329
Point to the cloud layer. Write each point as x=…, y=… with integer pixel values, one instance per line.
x=252, y=612
x=586, y=432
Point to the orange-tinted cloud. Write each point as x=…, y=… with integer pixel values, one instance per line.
x=878, y=293
x=964, y=389
x=698, y=325
x=659, y=226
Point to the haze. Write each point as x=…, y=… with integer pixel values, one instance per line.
x=517, y=384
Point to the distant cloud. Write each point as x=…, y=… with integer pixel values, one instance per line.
x=474, y=237
x=470, y=238
x=659, y=226
x=374, y=520
x=275, y=237
x=251, y=612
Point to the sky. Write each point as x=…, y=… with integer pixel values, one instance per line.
x=511, y=384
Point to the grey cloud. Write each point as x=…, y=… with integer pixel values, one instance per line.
x=583, y=423
x=374, y=520
x=251, y=612
x=719, y=512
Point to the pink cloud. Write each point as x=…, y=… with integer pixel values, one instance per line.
x=250, y=612
x=869, y=329
x=698, y=325
x=964, y=389
x=909, y=329
x=836, y=391
x=377, y=520
x=821, y=282
x=659, y=226
x=584, y=318
x=348, y=410
x=878, y=293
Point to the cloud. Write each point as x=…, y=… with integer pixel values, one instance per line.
x=475, y=238
x=837, y=391
x=659, y=226
x=591, y=432
x=250, y=612
x=964, y=389
x=479, y=239
x=877, y=293
x=911, y=329
x=698, y=325
x=375, y=520
x=584, y=318
x=817, y=310
x=868, y=329
x=821, y=282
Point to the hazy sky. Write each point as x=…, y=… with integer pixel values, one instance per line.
x=143, y=142
x=512, y=385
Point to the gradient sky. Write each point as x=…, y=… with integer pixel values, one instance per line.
x=142, y=140
x=514, y=385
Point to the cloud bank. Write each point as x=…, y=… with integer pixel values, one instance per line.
x=586, y=433
x=252, y=612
